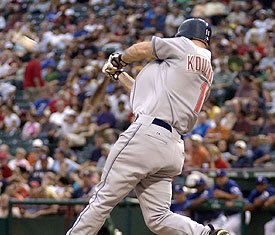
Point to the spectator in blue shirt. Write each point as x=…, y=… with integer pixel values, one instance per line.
x=106, y=118
x=227, y=189
x=260, y=194
x=202, y=125
x=179, y=205
x=196, y=199
x=258, y=154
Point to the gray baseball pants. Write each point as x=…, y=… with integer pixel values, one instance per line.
x=144, y=158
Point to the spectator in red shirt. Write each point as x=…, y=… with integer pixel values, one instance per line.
x=216, y=160
x=32, y=78
x=5, y=170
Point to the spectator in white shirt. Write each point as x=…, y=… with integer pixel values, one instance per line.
x=11, y=120
x=20, y=160
x=58, y=117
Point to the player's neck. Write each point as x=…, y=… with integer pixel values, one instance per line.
x=199, y=43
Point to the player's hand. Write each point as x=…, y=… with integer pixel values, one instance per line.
x=110, y=70
x=116, y=60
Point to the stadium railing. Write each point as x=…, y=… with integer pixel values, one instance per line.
x=126, y=216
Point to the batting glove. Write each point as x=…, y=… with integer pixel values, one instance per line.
x=116, y=60
x=111, y=71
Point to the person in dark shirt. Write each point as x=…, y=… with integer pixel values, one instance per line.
x=179, y=205
x=258, y=154
x=227, y=189
x=260, y=194
x=86, y=189
x=196, y=199
x=241, y=151
x=106, y=118
x=96, y=153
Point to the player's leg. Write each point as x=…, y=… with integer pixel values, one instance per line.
x=269, y=227
x=219, y=222
x=233, y=224
x=154, y=194
x=116, y=182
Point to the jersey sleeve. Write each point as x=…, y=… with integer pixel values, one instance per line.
x=251, y=196
x=167, y=48
x=235, y=190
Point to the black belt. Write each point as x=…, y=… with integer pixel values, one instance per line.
x=163, y=124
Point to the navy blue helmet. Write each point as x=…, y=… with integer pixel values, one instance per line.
x=195, y=28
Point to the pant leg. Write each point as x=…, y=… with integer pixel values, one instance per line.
x=117, y=180
x=219, y=222
x=269, y=227
x=233, y=224
x=154, y=194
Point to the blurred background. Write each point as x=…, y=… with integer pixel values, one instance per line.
x=59, y=119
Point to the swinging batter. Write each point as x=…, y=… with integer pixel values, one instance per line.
x=166, y=98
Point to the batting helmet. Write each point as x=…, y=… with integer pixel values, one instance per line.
x=195, y=28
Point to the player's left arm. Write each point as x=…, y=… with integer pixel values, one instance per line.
x=139, y=52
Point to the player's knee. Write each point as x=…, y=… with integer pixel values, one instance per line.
x=155, y=222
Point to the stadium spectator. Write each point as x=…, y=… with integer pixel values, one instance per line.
x=105, y=149
x=20, y=160
x=32, y=78
x=5, y=171
x=202, y=125
x=216, y=160
x=11, y=122
x=242, y=159
x=31, y=128
x=259, y=156
x=63, y=165
x=200, y=155
x=219, y=132
x=96, y=153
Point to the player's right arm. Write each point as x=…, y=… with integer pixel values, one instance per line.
x=126, y=80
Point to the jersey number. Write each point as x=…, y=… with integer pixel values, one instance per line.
x=203, y=95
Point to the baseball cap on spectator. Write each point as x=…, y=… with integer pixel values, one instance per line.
x=178, y=189
x=69, y=12
x=221, y=173
x=200, y=182
x=261, y=180
x=197, y=138
x=69, y=112
x=3, y=155
x=37, y=143
x=87, y=173
x=240, y=144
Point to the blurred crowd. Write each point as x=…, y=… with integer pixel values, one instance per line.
x=47, y=94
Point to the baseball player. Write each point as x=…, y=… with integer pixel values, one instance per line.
x=166, y=98
x=227, y=189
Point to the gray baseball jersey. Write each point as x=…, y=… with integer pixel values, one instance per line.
x=174, y=87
